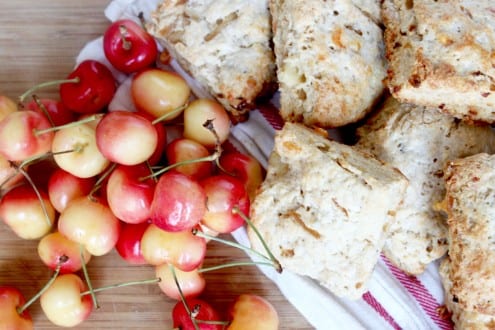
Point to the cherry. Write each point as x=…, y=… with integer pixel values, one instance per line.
x=182, y=149
x=129, y=47
x=245, y=168
x=130, y=196
x=63, y=304
x=54, y=247
x=183, y=249
x=63, y=187
x=54, y=110
x=129, y=243
x=125, y=137
x=249, y=311
x=207, y=122
x=91, y=90
x=27, y=212
x=19, y=137
x=176, y=283
x=11, y=299
x=159, y=92
x=90, y=222
x=179, y=202
x=223, y=193
x=204, y=315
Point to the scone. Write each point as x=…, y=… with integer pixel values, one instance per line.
x=442, y=55
x=419, y=142
x=470, y=205
x=224, y=45
x=330, y=60
x=324, y=209
x=463, y=320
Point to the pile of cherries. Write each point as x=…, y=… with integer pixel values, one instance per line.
x=156, y=183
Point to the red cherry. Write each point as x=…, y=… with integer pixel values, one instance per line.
x=128, y=47
x=58, y=113
x=129, y=243
x=203, y=312
x=94, y=90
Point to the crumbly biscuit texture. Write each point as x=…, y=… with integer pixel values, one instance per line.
x=470, y=204
x=324, y=209
x=420, y=141
x=463, y=320
x=225, y=45
x=330, y=60
x=442, y=54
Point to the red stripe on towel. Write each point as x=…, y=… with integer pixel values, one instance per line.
x=371, y=300
x=272, y=116
x=424, y=298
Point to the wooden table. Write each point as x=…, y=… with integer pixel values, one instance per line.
x=38, y=42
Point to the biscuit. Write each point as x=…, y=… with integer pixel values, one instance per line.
x=442, y=55
x=463, y=320
x=324, y=209
x=330, y=60
x=224, y=45
x=420, y=141
x=470, y=205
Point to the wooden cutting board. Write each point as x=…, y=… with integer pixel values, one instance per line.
x=38, y=42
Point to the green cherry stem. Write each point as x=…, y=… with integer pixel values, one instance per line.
x=71, y=124
x=29, y=161
x=277, y=264
x=38, y=194
x=47, y=84
x=61, y=260
x=213, y=157
x=121, y=285
x=101, y=179
x=234, y=264
x=199, y=233
x=86, y=277
x=43, y=109
x=182, y=298
x=169, y=114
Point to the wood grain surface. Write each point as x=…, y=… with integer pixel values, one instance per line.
x=38, y=42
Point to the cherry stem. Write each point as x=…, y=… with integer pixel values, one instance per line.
x=100, y=180
x=235, y=264
x=199, y=233
x=182, y=298
x=43, y=108
x=277, y=264
x=169, y=114
x=86, y=277
x=214, y=156
x=61, y=260
x=38, y=194
x=121, y=285
x=30, y=160
x=142, y=20
x=47, y=84
x=71, y=124
x=44, y=156
x=208, y=124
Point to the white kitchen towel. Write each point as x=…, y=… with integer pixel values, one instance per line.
x=394, y=300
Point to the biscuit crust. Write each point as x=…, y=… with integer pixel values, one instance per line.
x=442, y=54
